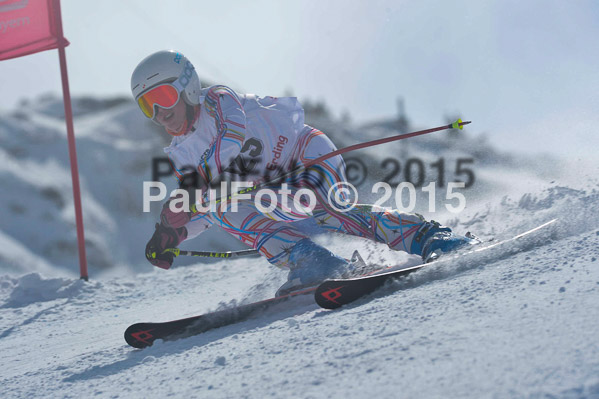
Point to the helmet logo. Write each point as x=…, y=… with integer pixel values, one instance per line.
x=187, y=74
x=178, y=57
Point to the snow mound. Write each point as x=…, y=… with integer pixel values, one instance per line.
x=32, y=288
x=577, y=209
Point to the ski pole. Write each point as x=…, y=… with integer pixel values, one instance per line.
x=455, y=125
x=209, y=254
x=248, y=252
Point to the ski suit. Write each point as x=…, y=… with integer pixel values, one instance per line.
x=249, y=138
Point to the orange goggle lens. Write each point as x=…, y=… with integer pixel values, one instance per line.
x=165, y=96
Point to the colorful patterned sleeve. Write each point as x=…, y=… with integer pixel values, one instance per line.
x=224, y=106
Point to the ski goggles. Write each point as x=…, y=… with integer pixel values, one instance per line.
x=165, y=96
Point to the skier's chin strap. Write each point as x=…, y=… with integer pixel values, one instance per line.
x=192, y=113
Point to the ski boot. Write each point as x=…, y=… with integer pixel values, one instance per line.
x=310, y=264
x=432, y=240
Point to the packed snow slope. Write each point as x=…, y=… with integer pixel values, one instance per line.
x=523, y=325
x=518, y=325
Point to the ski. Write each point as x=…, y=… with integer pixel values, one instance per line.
x=332, y=294
x=142, y=335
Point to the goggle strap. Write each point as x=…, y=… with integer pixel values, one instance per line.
x=177, y=84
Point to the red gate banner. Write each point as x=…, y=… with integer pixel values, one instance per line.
x=29, y=26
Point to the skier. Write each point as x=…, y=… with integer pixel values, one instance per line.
x=218, y=132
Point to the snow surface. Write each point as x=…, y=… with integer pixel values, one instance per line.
x=517, y=324
x=522, y=326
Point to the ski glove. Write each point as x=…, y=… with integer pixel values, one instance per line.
x=164, y=238
x=173, y=219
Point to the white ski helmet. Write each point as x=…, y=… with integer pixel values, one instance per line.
x=167, y=66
